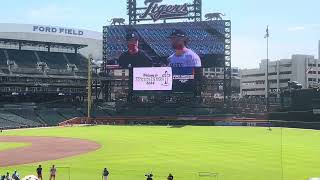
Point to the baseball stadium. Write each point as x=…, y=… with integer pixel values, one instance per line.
x=138, y=100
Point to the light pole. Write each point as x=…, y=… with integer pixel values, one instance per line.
x=267, y=83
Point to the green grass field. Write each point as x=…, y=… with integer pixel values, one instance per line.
x=233, y=152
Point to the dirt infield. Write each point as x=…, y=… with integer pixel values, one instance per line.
x=43, y=149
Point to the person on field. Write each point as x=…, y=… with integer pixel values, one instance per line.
x=15, y=175
x=7, y=176
x=39, y=172
x=53, y=172
x=170, y=177
x=105, y=174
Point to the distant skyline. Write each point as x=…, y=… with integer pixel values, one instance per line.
x=294, y=25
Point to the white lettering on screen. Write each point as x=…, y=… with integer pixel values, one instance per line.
x=152, y=79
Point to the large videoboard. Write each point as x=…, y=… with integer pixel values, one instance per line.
x=206, y=39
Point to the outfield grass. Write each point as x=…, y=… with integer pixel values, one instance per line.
x=234, y=152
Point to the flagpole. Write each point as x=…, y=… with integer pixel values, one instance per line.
x=267, y=98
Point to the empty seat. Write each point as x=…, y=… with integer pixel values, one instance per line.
x=23, y=58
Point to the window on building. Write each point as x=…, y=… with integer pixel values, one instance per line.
x=257, y=89
x=274, y=81
x=312, y=79
x=284, y=80
x=285, y=65
x=259, y=82
x=312, y=72
x=253, y=75
x=285, y=72
x=273, y=73
x=248, y=83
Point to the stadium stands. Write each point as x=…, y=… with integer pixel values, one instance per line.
x=51, y=116
x=28, y=59
x=22, y=58
x=77, y=59
x=3, y=59
x=70, y=113
x=7, y=124
x=18, y=120
x=27, y=114
x=53, y=59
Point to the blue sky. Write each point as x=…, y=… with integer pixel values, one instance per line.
x=294, y=25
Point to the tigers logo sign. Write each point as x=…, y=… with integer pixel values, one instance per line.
x=157, y=12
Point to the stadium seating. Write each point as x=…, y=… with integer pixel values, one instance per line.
x=23, y=58
x=17, y=119
x=27, y=61
x=53, y=59
x=77, y=59
x=7, y=124
x=27, y=114
x=218, y=26
x=50, y=116
x=3, y=60
x=70, y=113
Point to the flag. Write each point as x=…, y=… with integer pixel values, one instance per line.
x=267, y=33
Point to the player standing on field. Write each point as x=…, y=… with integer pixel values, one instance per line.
x=53, y=171
x=39, y=172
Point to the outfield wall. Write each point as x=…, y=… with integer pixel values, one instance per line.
x=169, y=120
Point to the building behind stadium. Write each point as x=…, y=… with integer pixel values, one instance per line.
x=37, y=61
x=54, y=34
x=304, y=69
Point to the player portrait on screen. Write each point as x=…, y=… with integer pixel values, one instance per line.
x=134, y=57
x=183, y=56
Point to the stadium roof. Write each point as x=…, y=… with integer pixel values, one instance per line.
x=41, y=43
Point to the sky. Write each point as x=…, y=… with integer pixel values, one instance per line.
x=294, y=24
